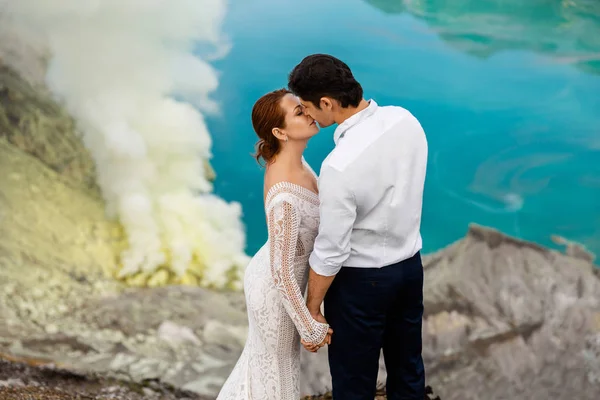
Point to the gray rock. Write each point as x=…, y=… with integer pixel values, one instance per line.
x=510, y=319
x=205, y=386
x=574, y=249
x=12, y=382
x=502, y=316
x=225, y=335
x=175, y=334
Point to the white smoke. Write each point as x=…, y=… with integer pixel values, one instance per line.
x=122, y=68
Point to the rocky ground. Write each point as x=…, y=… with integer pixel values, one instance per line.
x=30, y=380
x=20, y=381
x=504, y=318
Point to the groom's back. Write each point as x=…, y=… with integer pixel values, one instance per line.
x=382, y=157
x=370, y=192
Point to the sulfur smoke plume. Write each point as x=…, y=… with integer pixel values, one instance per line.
x=127, y=72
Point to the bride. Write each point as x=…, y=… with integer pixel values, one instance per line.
x=276, y=277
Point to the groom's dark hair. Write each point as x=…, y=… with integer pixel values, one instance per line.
x=322, y=75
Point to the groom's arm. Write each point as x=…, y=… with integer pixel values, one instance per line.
x=332, y=245
x=318, y=285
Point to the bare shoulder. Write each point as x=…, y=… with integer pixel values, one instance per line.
x=274, y=175
x=301, y=178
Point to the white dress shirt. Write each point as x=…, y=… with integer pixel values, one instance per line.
x=371, y=191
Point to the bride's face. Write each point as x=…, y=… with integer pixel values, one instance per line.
x=298, y=125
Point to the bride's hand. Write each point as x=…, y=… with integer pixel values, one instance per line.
x=313, y=348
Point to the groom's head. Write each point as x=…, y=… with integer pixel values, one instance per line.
x=324, y=85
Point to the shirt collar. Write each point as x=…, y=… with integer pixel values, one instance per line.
x=357, y=118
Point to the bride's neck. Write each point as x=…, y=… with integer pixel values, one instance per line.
x=291, y=156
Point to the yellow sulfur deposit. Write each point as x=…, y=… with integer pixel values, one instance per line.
x=52, y=214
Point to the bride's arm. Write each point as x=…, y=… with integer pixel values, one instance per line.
x=283, y=224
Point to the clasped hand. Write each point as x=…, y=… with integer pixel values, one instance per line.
x=313, y=348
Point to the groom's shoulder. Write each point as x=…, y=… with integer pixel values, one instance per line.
x=393, y=114
x=389, y=119
x=398, y=120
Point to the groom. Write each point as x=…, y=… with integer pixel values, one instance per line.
x=366, y=262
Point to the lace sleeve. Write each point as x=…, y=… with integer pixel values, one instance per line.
x=283, y=224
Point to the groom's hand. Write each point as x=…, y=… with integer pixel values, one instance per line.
x=327, y=338
x=315, y=347
x=320, y=318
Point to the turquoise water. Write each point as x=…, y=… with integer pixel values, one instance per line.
x=508, y=94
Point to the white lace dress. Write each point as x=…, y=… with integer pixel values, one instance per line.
x=274, y=283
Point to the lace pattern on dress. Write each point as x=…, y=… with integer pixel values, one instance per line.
x=283, y=223
x=269, y=366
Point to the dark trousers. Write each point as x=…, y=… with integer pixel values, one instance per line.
x=370, y=309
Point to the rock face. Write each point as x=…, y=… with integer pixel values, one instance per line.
x=32, y=122
x=55, y=239
x=510, y=319
x=504, y=318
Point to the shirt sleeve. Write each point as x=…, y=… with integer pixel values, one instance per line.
x=337, y=215
x=283, y=236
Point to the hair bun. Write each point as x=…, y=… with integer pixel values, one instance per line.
x=266, y=115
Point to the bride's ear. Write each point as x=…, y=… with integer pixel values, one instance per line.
x=279, y=134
